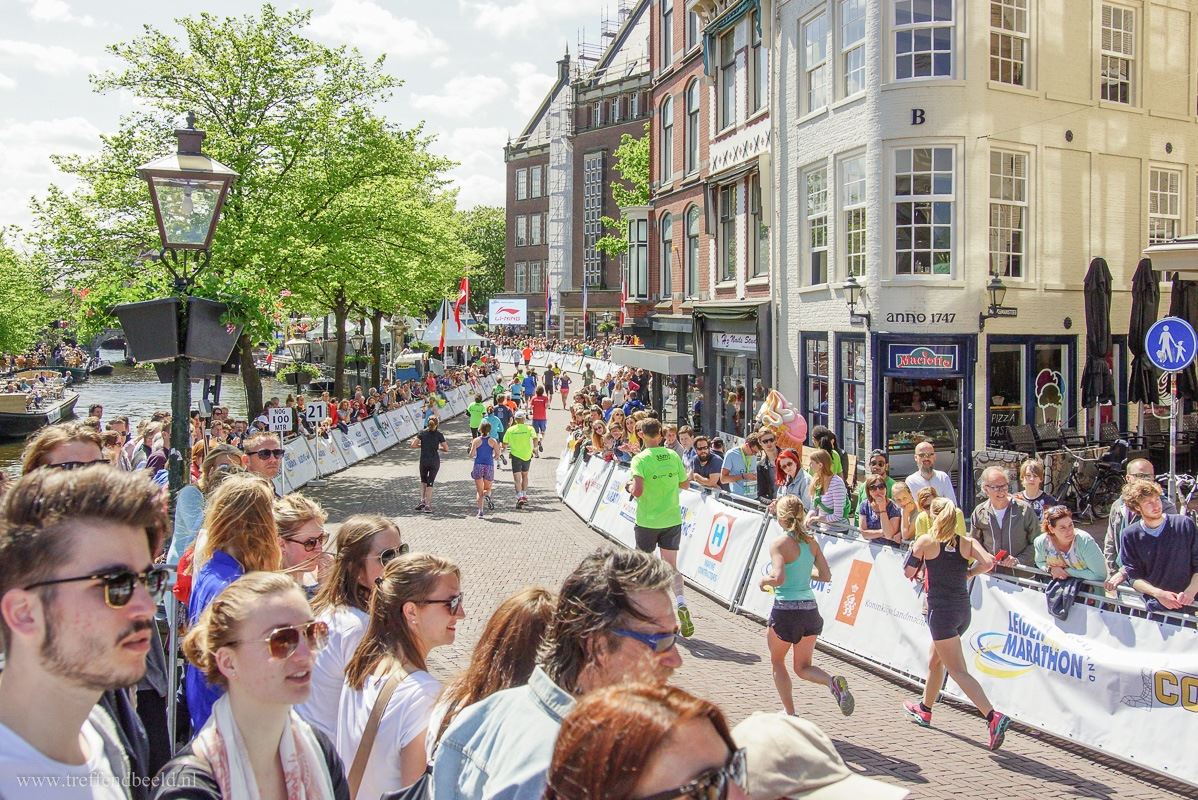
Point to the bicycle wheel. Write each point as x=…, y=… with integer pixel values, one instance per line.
x=1070, y=499
x=1104, y=494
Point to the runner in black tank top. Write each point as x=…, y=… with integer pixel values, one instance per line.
x=945, y=557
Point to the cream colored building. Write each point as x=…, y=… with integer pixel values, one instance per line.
x=922, y=146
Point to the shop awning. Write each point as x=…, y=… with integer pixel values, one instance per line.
x=663, y=362
x=1175, y=255
x=717, y=309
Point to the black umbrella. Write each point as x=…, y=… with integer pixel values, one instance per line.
x=1184, y=303
x=1098, y=385
x=1145, y=305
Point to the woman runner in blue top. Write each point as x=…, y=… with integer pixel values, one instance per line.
x=482, y=450
x=946, y=556
x=795, y=621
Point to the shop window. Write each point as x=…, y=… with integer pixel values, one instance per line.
x=1009, y=41
x=1051, y=388
x=815, y=63
x=852, y=47
x=852, y=397
x=1118, y=53
x=815, y=372
x=1008, y=213
x=852, y=209
x=667, y=255
x=735, y=405
x=923, y=39
x=923, y=211
x=1164, y=205
x=691, y=281
x=816, y=183
x=1006, y=391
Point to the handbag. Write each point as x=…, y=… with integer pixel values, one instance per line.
x=422, y=789
x=366, y=744
x=1060, y=596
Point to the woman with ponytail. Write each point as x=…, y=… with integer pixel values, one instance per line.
x=415, y=607
x=256, y=640
x=795, y=560
x=946, y=555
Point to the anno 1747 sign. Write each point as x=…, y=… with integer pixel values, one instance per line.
x=923, y=357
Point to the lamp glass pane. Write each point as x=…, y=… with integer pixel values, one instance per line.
x=187, y=207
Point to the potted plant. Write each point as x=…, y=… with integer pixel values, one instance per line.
x=300, y=374
x=152, y=330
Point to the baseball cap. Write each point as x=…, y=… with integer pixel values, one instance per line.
x=521, y=415
x=790, y=757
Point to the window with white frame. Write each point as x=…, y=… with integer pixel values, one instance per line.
x=521, y=277
x=759, y=231
x=727, y=245
x=690, y=281
x=521, y=230
x=521, y=184
x=1164, y=205
x=923, y=39
x=615, y=109
x=592, y=210
x=727, y=108
x=852, y=213
x=538, y=186
x=852, y=47
x=815, y=63
x=692, y=127
x=853, y=373
x=1118, y=53
x=667, y=254
x=692, y=29
x=815, y=183
x=923, y=211
x=535, y=276
x=759, y=89
x=597, y=115
x=1009, y=40
x=1008, y=213
x=638, y=258
x=634, y=105
x=666, y=148
x=667, y=33
x=534, y=229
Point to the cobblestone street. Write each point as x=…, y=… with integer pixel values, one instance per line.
x=726, y=659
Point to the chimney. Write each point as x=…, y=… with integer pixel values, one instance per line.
x=563, y=67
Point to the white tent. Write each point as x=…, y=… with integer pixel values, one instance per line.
x=455, y=335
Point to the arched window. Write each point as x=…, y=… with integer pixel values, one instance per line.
x=692, y=127
x=690, y=266
x=667, y=140
x=667, y=255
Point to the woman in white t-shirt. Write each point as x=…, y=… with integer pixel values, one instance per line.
x=366, y=543
x=415, y=608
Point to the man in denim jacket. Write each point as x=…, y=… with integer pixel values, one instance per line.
x=614, y=624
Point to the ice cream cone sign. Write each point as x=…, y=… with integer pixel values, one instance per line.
x=787, y=424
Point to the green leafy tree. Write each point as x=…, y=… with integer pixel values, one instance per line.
x=26, y=297
x=484, y=232
x=632, y=163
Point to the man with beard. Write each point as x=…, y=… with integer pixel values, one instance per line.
x=78, y=589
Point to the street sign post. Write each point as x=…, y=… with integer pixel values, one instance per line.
x=279, y=420
x=1170, y=345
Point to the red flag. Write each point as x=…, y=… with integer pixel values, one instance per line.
x=463, y=298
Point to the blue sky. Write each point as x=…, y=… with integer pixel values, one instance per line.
x=474, y=70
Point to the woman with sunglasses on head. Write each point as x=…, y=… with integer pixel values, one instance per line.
x=795, y=622
x=366, y=543
x=1065, y=552
x=302, y=537
x=257, y=641
x=221, y=461
x=239, y=536
x=415, y=608
x=646, y=742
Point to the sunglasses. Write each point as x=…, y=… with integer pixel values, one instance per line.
x=392, y=553
x=768, y=441
x=70, y=465
x=452, y=603
x=657, y=642
x=119, y=584
x=711, y=784
x=309, y=544
x=266, y=455
x=283, y=642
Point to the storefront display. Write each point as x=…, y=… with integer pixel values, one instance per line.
x=1031, y=382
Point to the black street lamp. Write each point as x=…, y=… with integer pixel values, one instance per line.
x=188, y=190
x=998, y=293
x=358, y=343
x=607, y=326
x=301, y=353
x=852, y=295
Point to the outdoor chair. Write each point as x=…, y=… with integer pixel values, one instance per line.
x=1022, y=438
x=1048, y=437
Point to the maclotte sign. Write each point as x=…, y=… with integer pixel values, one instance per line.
x=923, y=357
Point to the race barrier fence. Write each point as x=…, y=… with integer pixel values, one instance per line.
x=1110, y=680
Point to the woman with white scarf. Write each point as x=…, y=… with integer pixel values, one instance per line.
x=258, y=639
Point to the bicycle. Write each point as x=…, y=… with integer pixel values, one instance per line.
x=1093, y=500
x=1187, y=492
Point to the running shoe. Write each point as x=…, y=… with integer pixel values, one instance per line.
x=998, y=729
x=427, y=509
x=520, y=501
x=919, y=716
x=685, y=625
x=480, y=513
x=490, y=503
x=844, y=698
x=419, y=507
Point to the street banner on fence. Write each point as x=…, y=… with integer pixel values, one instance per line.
x=1117, y=683
x=382, y=436
x=615, y=515
x=572, y=364
x=539, y=359
x=360, y=438
x=566, y=464
x=587, y=487
x=718, y=543
x=416, y=413
x=402, y=424
x=329, y=458
x=299, y=465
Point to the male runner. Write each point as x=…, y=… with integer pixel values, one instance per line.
x=520, y=438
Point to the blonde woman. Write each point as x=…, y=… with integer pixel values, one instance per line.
x=240, y=536
x=302, y=537
x=946, y=556
x=908, y=510
x=256, y=640
x=221, y=461
x=795, y=560
x=415, y=608
x=923, y=520
x=827, y=492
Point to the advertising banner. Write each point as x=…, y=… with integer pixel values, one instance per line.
x=299, y=465
x=329, y=458
x=566, y=467
x=1114, y=682
x=718, y=543
x=401, y=424
x=869, y=607
x=587, y=488
x=615, y=515
x=382, y=436
x=572, y=364
x=456, y=405
x=539, y=359
x=416, y=414
x=508, y=311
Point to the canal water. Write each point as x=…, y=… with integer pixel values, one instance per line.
x=136, y=392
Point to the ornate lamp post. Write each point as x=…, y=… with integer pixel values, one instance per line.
x=358, y=343
x=301, y=353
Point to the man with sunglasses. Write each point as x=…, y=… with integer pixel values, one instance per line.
x=78, y=589
x=739, y=474
x=614, y=623
x=264, y=456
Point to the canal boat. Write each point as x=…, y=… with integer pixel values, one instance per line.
x=49, y=402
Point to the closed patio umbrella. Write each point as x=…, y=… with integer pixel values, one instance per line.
x=1098, y=385
x=1145, y=305
x=1184, y=303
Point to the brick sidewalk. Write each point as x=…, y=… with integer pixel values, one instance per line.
x=726, y=660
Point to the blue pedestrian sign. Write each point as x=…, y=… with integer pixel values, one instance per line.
x=1170, y=344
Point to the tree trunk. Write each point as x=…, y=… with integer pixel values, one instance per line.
x=250, y=378
x=340, y=314
x=376, y=349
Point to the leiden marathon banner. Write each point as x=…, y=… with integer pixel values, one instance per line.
x=1114, y=682
x=718, y=543
x=402, y=424
x=381, y=434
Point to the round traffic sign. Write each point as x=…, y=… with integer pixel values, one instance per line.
x=1170, y=344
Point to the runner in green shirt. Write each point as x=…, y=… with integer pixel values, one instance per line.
x=477, y=410
x=658, y=474
x=519, y=438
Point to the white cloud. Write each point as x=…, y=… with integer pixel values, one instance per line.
x=506, y=17
x=25, y=150
x=531, y=86
x=56, y=11
x=7, y=82
x=372, y=28
x=479, y=152
x=463, y=96
x=480, y=190
x=48, y=58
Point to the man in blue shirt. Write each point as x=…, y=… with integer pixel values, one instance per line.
x=739, y=475
x=530, y=384
x=1160, y=552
